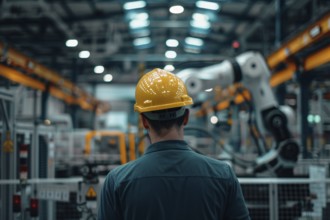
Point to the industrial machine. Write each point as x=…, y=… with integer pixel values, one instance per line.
x=251, y=70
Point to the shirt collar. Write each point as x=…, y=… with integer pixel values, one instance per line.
x=168, y=145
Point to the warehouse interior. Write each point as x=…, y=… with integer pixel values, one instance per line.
x=68, y=71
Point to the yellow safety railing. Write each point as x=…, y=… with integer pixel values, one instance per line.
x=122, y=143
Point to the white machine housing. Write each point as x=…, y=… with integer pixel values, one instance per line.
x=251, y=70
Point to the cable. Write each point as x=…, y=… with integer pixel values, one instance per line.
x=254, y=129
x=236, y=159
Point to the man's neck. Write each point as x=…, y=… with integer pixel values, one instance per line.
x=172, y=134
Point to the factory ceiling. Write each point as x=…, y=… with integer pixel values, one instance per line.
x=126, y=37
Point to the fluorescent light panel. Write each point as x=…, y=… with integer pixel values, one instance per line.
x=171, y=54
x=107, y=77
x=71, y=43
x=141, y=41
x=194, y=41
x=84, y=54
x=207, y=5
x=172, y=43
x=176, y=9
x=200, y=17
x=99, y=69
x=137, y=15
x=202, y=24
x=139, y=24
x=134, y=5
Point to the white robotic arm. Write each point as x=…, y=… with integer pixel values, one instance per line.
x=248, y=68
x=251, y=70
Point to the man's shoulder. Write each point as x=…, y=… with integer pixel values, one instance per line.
x=213, y=161
x=215, y=167
x=122, y=171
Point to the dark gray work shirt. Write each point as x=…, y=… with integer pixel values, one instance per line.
x=169, y=182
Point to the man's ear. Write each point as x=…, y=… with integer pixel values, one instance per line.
x=145, y=122
x=186, y=117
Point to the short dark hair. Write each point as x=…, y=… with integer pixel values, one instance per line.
x=160, y=125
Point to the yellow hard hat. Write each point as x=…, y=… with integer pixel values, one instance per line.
x=159, y=90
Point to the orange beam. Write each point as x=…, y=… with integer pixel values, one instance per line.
x=18, y=77
x=283, y=75
x=51, y=76
x=317, y=59
x=25, y=80
x=61, y=95
x=239, y=98
x=306, y=38
x=67, y=88
x=15, y=58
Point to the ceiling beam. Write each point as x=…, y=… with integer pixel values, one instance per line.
x=162, y=58
x=223, y=16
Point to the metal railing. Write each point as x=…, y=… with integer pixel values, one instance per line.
x=287, y=199
x=266, y=198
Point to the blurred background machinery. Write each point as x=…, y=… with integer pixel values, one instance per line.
x=258, y=71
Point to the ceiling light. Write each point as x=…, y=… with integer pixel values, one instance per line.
x=141, y=41
x=99, y=69
x=176, y=9
x=194, y=41
x=107, y=77
x=169, y=68
x=139, y=23
x=192, y=50
x=207, y=5
x=71, y=43
x=171, y=54
x=214, y=119
x=200, y=16
x=134, y=5
x=203, y=24
x=84, y=54
x=141, y=16
x=172, y=43
x=133, y=15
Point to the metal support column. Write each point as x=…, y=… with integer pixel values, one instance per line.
x=44, y=103
x=8, y=154
x=303, y=102
x=73, y=108
x=279, y=17
x=273, y=202
x=34, y=146
x=93, y=112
